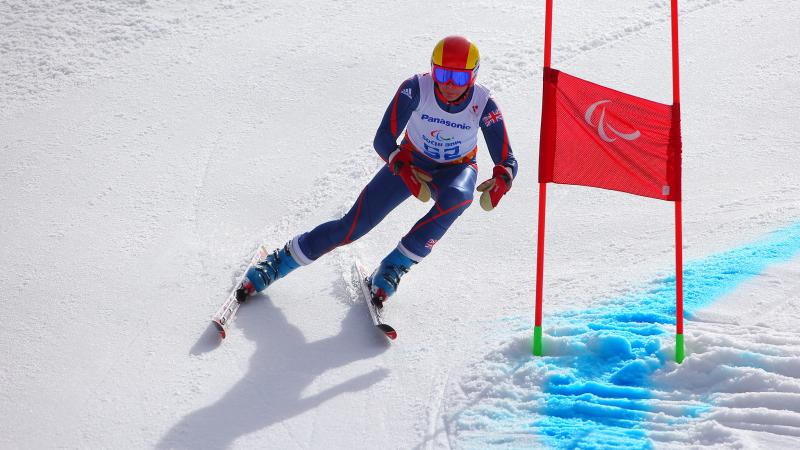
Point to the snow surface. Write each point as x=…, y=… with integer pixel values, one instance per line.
x=147, y=148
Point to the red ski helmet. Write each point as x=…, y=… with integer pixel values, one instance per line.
x=455, y=59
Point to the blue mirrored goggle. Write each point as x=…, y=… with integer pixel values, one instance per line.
x=458, y=77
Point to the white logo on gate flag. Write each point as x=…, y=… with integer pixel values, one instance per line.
x=601, y=124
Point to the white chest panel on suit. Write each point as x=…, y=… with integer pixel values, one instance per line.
x=444, y=136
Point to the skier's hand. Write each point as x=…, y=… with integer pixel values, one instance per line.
x=415, y=179
x=496, y=187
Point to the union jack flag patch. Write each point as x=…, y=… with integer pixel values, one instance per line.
x=493, y=117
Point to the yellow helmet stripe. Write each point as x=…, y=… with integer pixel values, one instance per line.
x=438, y=53
x=474, y=57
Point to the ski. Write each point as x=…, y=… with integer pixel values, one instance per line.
x=227, y=312
x=362, y=280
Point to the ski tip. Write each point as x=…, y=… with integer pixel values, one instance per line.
x=220, y=329
x=388, y=331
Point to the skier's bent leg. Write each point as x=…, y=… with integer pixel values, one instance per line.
x=451, y=201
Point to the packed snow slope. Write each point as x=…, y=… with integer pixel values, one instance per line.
x=147, y=148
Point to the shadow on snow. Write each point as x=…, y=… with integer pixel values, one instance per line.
x=283, y=365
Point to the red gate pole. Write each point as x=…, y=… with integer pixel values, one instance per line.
x=548, y=31
x=537, y=329
x=676, y=101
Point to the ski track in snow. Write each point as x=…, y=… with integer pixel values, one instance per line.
x=509, y=66
x=48, y=45
x=608, y=379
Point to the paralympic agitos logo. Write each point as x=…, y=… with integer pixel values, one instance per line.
x=602, y=124
x=437, y=134
x=445, y=122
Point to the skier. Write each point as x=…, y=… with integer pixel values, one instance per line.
x=441, y=112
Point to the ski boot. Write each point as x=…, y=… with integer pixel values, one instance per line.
x=263, y=273
x=384, y=281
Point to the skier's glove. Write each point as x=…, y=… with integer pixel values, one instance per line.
x=400, y=163
x=496, y=187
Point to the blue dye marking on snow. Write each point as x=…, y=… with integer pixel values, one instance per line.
x=597, y=392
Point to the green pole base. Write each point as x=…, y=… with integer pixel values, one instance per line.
x=679, y=349
x=537, y=341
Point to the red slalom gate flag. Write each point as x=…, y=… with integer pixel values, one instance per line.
x=595, y=136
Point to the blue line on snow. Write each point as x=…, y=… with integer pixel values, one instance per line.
x=597, y=391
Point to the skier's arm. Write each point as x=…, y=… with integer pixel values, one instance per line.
x=505, y=169
x=405, y=101
x=494, y=133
